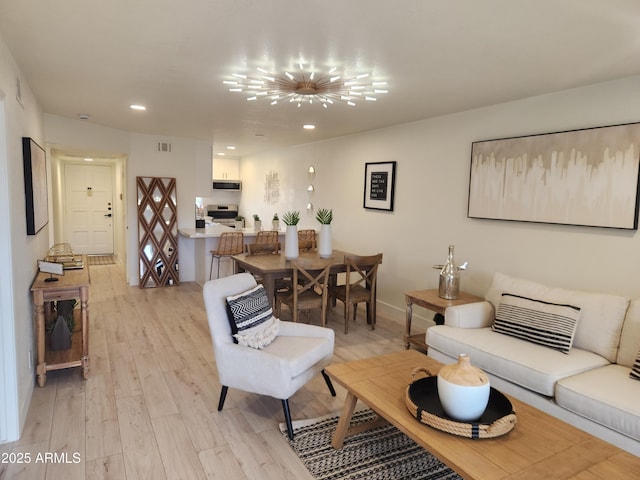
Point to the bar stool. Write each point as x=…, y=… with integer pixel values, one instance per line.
x=231, y=243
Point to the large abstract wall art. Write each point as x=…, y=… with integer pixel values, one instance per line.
x=583, y=177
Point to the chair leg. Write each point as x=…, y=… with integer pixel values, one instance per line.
x=287, y=418
x=211, y=268
x=223, y=396
x=329, y=384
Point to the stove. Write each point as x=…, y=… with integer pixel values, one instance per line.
x=223, y=214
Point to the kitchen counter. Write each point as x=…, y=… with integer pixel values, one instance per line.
x=195, y=246
x=215, y=230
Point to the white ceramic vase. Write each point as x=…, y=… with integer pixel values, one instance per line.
x=463, y=390
x=291, y=242
x=257, y=225
x=324, y=241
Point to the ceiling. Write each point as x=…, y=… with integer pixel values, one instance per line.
x=97, y=57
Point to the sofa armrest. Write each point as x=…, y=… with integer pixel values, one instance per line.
x=470, y=315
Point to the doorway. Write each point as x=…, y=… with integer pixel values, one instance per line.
x=89, y=209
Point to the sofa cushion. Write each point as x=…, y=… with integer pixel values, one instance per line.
x=251, y=318
x=601, y=315
x=548, y=324
x=526, y=364
x=630, y=337
x=605, y=395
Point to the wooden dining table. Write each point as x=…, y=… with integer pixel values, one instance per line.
x=271, y=267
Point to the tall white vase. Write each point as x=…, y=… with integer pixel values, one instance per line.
x=291, y=242
x=324, y=241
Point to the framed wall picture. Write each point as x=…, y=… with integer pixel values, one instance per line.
x=379, y=185
x=586, y=177
x=35, y=185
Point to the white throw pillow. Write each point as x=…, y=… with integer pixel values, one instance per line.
x=635, y=370
x=549, y=324
x=251, y=318
x=601, y=315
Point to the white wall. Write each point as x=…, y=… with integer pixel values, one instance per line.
x=19, y=251
x=186, y=162
x=432, y=184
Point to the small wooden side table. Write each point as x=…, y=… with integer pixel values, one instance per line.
x=74, y=284
x=430, y=300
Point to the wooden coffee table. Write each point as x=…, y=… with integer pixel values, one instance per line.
x=540, y=446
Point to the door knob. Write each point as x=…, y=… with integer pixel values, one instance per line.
x=108, y=215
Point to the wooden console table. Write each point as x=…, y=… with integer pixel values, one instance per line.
x=74, y=284
x=430, y=300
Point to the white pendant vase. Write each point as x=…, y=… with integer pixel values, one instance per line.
x=324, y=241
x=291, y=242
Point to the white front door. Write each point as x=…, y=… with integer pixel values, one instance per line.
x=89, y=208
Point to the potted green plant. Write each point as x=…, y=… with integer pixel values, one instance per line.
x=291, y=219
x=325, y=217
x=239, y=222
x=275, y=222
x=257, y=223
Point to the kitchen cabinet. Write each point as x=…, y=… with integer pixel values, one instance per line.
x=226, y=169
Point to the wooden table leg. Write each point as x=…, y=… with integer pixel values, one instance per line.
x=344, y=421
x=407, y=328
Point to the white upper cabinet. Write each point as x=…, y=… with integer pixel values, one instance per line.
x=226, y=169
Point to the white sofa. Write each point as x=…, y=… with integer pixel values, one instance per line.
x=589, y=387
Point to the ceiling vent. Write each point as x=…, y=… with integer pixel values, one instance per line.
x=164, y=147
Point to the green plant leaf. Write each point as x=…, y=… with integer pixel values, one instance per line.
x=324, y=216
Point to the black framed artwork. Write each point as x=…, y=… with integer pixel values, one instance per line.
x=35, y=185
x=379, y=185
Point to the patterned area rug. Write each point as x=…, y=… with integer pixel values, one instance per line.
x=101, y=260
x=382, y=453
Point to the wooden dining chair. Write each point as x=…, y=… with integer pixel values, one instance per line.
x=266, y=242
x=307, y=240
x=360, y=286
x=308, y=290
x=229, y=244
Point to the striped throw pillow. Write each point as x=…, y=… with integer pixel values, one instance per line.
x=549, y=324
x=251, y=318
x=635, y=370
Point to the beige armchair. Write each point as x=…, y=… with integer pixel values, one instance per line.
x=298, y=353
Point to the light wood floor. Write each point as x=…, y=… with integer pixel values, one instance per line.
x=149, y=407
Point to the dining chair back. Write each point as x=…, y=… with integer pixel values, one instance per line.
x=360, y=286
x=229, y=244
x=307, y=239
x=308, y=289
x=266, y=242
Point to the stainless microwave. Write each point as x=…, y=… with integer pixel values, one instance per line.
x=233, y=185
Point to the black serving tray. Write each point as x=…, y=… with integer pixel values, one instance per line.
x=424, y=394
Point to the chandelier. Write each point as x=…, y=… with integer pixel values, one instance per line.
x=306, y=86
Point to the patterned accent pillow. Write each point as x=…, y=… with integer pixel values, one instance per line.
x=251, y=318
x=635, y=370
x=549, y=324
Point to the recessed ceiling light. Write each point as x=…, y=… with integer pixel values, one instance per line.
x=137, y=107
x=221, y=154
x=309, y=126
x=88, y=159
x=84, y=116
x=231, y=147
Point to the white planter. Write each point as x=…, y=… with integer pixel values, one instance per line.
x=291, y=242
x=257, y=225
x=239, y=224
x=324, y=241
x=275, y=225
